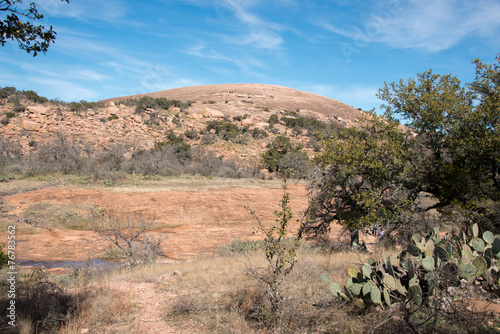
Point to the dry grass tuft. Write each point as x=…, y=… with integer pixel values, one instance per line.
x=99, y=307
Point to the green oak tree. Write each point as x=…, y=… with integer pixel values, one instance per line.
x=17, y=23
x=363, y=177
x=456, y=131
x=279, y=148
x=449, y=148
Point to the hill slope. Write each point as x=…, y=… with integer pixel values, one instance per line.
x=270, y=96
x=117, y=121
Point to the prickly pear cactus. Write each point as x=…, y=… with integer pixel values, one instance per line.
x=427, y=264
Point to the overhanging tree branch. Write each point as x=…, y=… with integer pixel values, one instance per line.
x=18, y=25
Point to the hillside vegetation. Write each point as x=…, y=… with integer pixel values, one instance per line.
x=159, y=136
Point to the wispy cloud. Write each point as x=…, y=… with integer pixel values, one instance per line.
x=439, y=25
x=427, y=25
x=76, y=73
x=260, y=33
x=202, y=51
x=66, y=89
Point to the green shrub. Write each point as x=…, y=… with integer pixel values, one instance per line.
x=18, y=108
x=191, y=134
x=258, y=133
x=33, y=96
x=6, y=178
x=280, y=147
x=273, y=119
x=84, y=105
x=112, y=117
x=299, y=123
x=280, y=250
x=7, y=92
x=224, y=129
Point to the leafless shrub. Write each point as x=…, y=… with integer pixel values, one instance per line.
x=157, y=162
x=10, y=156
x=57, y=155
x=127, y=232
x=41, y=303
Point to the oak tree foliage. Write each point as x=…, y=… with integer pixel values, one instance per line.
x=449, y=148
x=18, y=23
x=363, y=177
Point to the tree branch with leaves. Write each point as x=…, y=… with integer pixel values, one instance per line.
x=19, y=25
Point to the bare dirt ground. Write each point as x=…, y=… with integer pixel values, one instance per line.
x=197, y=217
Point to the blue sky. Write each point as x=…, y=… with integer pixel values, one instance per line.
x=343, y=49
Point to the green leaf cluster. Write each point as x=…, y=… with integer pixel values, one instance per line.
x=365, y=178
x=277, y=150
x=30, y=37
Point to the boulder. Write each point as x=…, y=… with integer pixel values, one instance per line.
x=113, y=110
x=247, y=121
x=30, y=126
x=262, y=125
x=196, y=116
x=212, y=113
x=37, y=109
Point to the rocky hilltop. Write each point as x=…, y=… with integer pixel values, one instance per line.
x=116, y=120
x=233, y=99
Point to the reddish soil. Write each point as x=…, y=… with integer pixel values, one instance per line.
x=195, y=222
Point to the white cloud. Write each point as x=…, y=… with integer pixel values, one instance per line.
x=261, y=34
x=424, y=24
x=66, y=90
x=243, y=63
x=439, y=25
x=203, y=52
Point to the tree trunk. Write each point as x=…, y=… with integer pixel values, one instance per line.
x=354, y=237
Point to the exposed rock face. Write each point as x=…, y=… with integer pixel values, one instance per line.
x=209, y=112
x=246, y=105
x=30, y=126
x=113, y=110
x=42, y=110
x=229, y=96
